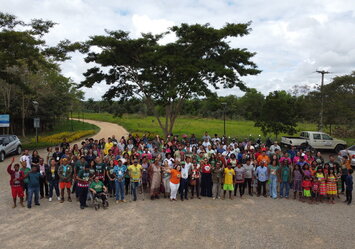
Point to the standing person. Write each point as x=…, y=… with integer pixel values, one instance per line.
x=43, y=185
x=166, y=178
x=228, y=174
x=239, y=179
x=206, y=180
x=285, y=177
x=111, y=178
x=217, y=180
x=25, y=171
x=65, y=172
x=135, y=173
x=344, y=172
x=322, y=184
x=64, y=145
x=53, y=179
x=262, y=177
x=16, y=181
x=100, y=169
x=57, y=155
x=119, y=171
x=273, y=169
x=26, y=158
x=33, y=186
x=154, y=172
x=331, y=185
x=307, y=185
x=174, y=182
x=297, y=176
x=83, y=178
x=249, y=173
x=349, y=186
x=184, y=180
x=35, y=159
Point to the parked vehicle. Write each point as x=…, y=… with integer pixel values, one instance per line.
x=351, y=153
x=315, y=139
x=9, y=144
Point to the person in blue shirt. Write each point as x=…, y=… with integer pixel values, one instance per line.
x=119, y=171
x=349, y=187
x=33, y=186
x=261, y=174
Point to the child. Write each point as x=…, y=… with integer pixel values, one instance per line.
x=306, y=185
x=297, y=181
x=315, y=190
x=349, y=187
x=16, y=182
x=331, y=185
x=322, y=184
x=229, y=174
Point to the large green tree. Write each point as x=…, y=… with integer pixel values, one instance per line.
x=165, y=75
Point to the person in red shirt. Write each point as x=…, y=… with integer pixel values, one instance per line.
x=306, y=185
x=206, y=179
x=16, y=182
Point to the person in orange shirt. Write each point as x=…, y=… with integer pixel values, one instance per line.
x=174, y=181
x=263, y=157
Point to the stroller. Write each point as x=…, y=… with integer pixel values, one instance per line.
x=100, y=199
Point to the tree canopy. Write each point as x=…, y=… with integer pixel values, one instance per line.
x=165, y=75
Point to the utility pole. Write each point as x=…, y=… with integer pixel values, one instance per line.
x=321, y=99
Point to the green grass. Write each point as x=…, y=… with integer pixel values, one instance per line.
x=62, y=125
x=188, y=125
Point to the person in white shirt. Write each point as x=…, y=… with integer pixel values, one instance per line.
x=248, y=178
x=274, y=147
x=206, y=143
x=184, y=180
x=26, y=158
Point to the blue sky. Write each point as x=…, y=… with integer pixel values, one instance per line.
x=292, y=39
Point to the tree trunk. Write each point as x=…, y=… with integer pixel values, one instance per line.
x=23, y=115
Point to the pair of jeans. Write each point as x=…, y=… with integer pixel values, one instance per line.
x=241, y=189
x=247, y=182
x=284, y=186
x=349, y=195
x=134, y=186
x=112, y=187
x=183, y=188
x=82, y=193
x=273, y=186
x=31, y=191
x=53, y=184
x=261, y=185
x=216, y=190
x=119, y=186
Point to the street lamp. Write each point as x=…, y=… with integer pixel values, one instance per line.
x=224, y=117
x=36, y=120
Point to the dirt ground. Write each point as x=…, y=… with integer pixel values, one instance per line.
x=253, y=222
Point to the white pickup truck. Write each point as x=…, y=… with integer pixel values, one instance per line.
x=316, y=139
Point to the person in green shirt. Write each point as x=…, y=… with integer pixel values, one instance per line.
x=284, y=178
x=25, y=171
x=98, y=188
x=273, y=169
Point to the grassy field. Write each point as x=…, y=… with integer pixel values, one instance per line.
x=61, y=126
x=188, y=125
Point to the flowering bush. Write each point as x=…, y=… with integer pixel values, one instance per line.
x=70, y=136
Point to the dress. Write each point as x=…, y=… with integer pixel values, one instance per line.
x=297, y=181
x=155, y=177
x=331, y=185
x=322, y=184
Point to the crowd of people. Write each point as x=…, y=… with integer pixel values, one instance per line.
x=178, y=168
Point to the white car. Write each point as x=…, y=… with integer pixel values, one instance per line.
x=351, y=151
x=9, y=144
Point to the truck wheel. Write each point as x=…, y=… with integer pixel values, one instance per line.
x=339, y=147
x=2, y=156
x=18, y=150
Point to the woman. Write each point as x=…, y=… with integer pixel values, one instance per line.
x=273, y=173
x=206, y=179
x=145, y=179
x=155, y=179
x=111, y=178
x=195, y=180
x=35, y=159
x=233, y=160
x=53, y=179
x=75, y=151
x=166, y=178
x=174, y=182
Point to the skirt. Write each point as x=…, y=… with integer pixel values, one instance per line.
x=307, y=193
x=297, y=185
x=322, y=188
x=331, y=188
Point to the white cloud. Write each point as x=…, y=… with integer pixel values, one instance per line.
x=292, y=38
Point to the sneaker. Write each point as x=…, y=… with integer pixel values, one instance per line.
x=28, y=206
x=50, y=199
x=69, y=199
x=37, y=204
x=61, y=200
x=58, y=198
x=124, y=201
x=117, y=201
x=81, y=207
x=214, y=198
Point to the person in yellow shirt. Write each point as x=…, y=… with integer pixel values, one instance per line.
x=229, y=174
x=108, y=146
x=135, y=173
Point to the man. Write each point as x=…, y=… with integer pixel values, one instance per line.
x=349, y=187
x=262, y=177
x=229, y=174
x=263, y=157
x=206, y=136
x=65, y=173
x=100, y=169
x=43, y=185
x=249, y=173
x=83, y=185
x=217, y=178
x=119, y=171
x=16, y=182
x=26, y=158
x=97, y=188
x=33, y=186
x=274, y=147
x=184, y=180
x=64, y=145
x=135, y=174
x=108, y=146
x=285, y=177
x=57, y=155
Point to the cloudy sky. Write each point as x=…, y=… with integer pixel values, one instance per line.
x=292, y=38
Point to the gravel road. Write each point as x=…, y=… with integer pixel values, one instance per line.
x=252, y=222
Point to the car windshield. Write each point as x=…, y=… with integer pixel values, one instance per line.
x=351, y=147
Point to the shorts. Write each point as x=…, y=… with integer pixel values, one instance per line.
x=63, y=185
x=228, y=187
x=17, y=191
x=306, y=193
